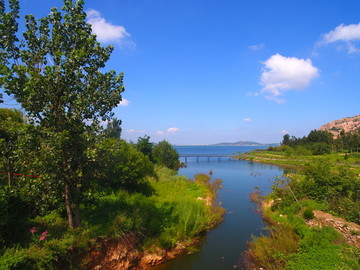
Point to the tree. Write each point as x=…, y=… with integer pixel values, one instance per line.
x=145, y=146
x=121, y=165
x=54, y=72
x=113, y=128
x=164, y=154
x=10, y=123
x=286, y=140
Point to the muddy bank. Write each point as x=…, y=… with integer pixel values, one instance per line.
x=125, y=254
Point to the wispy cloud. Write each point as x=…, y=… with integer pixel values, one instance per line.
x=257, y=47
x=248, y=120
x=282, y=73
x=284, y=132
x=124, y=102
x=171, y=130
x=136, y=131
x=343, y=33
x=105, y=31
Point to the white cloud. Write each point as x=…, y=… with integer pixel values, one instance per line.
x=105, y=31
x=284, y=132
x=172, y=130
x=247, y=120
x=257, y=47
x=136, y=131
x=124, y=102
x=282, y=73
x=345, y=33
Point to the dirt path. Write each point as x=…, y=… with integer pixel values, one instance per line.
x=350, y=230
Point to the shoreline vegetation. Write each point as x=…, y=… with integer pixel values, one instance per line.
x=124, y=230
x=312, y=214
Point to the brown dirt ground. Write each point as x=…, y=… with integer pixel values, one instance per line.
x=350, y=230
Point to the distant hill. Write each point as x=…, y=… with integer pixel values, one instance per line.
x=245, y=143
x=347, y=124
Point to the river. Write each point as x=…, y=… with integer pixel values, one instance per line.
x=222, y=246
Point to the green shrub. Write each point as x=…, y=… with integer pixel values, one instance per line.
x=272, y=251
x=308, y=214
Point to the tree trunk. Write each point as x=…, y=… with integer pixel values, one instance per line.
x=9, y=171
x=77, y=207
x=68, y=207
x=77, y=215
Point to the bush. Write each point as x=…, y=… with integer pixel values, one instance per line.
x=320, y=148
x=272, y=251
x=164, y=154
x=308, y=214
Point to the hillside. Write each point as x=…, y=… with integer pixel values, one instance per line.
x=347, y=124
x=245, y=143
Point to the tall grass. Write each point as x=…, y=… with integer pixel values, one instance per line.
x=272, y=252
x=176, y=212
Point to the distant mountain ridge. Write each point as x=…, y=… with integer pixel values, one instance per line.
x=348, y=124
x=245, y=143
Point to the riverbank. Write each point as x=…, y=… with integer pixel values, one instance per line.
x=301, y=232
x=297, y=162
x=123, y=230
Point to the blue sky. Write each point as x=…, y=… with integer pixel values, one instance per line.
x=202, y=72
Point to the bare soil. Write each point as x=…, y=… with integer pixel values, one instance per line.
x=350, y=230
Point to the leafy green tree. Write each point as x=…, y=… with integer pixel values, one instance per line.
x=54, y=72
x=165, y=154
x=113, y=128
x=286, y=140
x=121, y=165
x=316, y=136
x=320, y=148
x=144, y=145
x=10, y=123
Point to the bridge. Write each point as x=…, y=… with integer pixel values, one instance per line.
x=208, y=156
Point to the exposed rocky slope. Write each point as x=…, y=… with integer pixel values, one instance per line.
x=347, y=124
x=350, y=230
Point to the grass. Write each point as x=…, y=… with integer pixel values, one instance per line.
x=173, y=213
x=292, y=245
x=298, y=161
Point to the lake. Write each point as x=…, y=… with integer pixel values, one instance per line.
x=222, y=246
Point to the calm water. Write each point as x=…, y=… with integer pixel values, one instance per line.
x=223, y=245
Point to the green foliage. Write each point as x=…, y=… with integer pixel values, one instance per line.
x=113, y=129
x=335, y=189
x=319, y=186
x=11, y=123
x=15, y=214
x=320, y=148
x=62, y=94
x=322, y=142
x=174, y=213
x=164, y=154
x=121, y=165
x=317, y=251
x=308, y=214
x=273, y=251
x=144, y=145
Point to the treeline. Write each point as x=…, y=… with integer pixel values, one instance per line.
x=320, y=142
